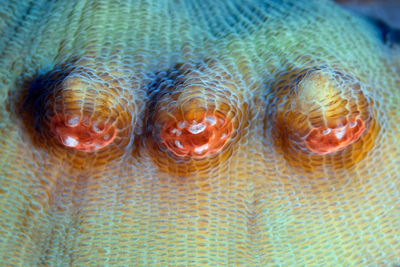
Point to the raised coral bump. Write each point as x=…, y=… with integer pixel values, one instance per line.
x=316, y=115
x=82, y=108
x=196, y=115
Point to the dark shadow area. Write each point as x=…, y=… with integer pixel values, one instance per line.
x=384, y=14
x=32, y=104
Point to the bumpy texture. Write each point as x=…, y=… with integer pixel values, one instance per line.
x=261, y=197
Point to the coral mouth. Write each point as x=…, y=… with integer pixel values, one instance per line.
x=325, y=140
x=81, y=133
x=197, y=139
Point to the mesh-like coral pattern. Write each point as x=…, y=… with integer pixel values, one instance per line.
x=265, y=195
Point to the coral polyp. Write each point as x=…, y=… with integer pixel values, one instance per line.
x=320, y=115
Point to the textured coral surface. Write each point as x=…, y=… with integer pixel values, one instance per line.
x=185, y=132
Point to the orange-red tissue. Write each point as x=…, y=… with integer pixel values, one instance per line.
x=197, y=138
x=324, y=140
x=81, y=133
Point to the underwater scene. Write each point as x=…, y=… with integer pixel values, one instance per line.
x=199, y=133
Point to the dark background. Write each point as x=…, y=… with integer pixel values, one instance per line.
x=387, y=11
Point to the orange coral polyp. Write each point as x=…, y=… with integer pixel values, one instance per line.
x=197, y=139
x=324, y=140
x=82, y=134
